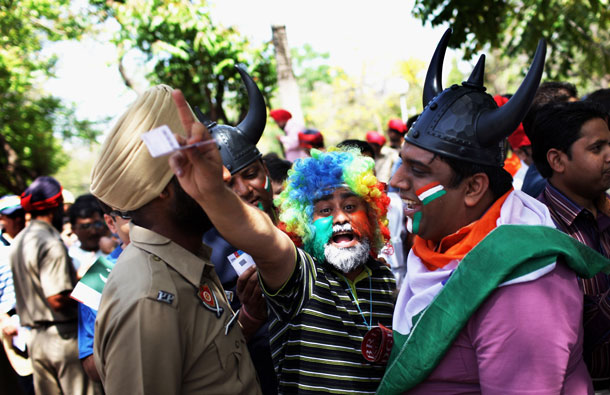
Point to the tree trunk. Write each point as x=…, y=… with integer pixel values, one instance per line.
x=287, y=85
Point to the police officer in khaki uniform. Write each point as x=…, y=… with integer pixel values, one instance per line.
x=43, y=277
x=164, y=325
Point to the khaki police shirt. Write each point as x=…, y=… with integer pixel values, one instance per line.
x=155, y=335
x=41, y=269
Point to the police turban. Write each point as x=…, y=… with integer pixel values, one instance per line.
x=126, y=176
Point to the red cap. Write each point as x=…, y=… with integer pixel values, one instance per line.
x=397, y=125
x=518, y=138
x=280, y=115
x=311, y=138
x=375, y=137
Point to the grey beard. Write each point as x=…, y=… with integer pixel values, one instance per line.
x=347, y=259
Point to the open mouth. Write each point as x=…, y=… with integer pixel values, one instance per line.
x=410, y=206
x=343, y=239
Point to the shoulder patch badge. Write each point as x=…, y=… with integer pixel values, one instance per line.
x=208, y=298
x=165, y=297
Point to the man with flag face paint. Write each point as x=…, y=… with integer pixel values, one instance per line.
x=331, y=300
x=490, y=302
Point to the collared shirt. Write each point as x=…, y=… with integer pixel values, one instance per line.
x=165, y=326
x=7, y=291
x=41, y=269
x=580, y=223
x=317, y=327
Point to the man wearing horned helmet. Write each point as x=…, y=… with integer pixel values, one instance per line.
x=490, y=302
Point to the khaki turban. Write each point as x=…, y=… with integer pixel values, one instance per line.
x=125, y=176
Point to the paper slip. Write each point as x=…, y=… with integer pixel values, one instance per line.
x=161, y=141
x=240, y=261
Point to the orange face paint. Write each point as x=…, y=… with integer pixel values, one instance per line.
x=361, y=225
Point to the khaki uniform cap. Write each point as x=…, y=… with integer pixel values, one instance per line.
x=125, y=176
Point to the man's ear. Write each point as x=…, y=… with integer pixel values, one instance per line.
x=476, y=187
x=556, y=160
x=110, y=222
x=168, y=191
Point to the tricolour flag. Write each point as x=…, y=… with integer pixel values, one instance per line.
x=88, y=290
x=430, y=192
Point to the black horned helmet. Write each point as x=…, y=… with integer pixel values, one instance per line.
x=464, y=122
x=237, y=144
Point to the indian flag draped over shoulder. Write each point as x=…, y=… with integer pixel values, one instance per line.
x=434, y=305
x=88, y=290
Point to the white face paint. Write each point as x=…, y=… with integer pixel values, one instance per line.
x=409, y=225
x=349, y=258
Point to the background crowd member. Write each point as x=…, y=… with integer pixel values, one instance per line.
x=164, y=325
x=571, y=144
x=249, y=178
x=118, y=224
x=396, y=133
x=89, y=226
x=362, y=146
x=388, y=155
x=466, y=314
x=376, y=141
x=548, y=92
x=16, y=371
x=521, y=147
x=311, y=138
x=600, y=96
x=43, y=276
x=278, y=171
x=291, y=128
x=313, y=350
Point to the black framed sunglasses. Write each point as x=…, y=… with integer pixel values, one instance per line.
x=122, y=214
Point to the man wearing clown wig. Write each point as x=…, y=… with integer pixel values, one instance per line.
x=490, y=302
x=331, y=299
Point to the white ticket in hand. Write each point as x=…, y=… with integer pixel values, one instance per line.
x=240, y=261
x=161, y=141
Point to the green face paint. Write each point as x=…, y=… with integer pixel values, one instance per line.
x=260, y=206
x=324, y=230
x=416, y=221
x=267, y=184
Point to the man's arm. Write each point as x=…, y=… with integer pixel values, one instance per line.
x=200, y=172
x=61, y=302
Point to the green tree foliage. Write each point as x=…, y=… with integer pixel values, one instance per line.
x=33, y=123
x=188, y=51
x=576, y=31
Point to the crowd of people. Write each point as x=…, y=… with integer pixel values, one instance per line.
x=467, y=255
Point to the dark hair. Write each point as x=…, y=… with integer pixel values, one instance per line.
x=278, y=167
x=600, y=96
x=548, y=92
x=85, y=206
x=412, y=120
x=558, y=126
x=500, y=181
x=360, y=145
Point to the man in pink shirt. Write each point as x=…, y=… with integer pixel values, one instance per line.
x=490, y=302
x=290, y=141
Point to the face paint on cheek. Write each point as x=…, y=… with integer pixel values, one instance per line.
x=268, y=186
x=324, y=231
x=430, y=192
x=415, y=223
x=361, y=225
